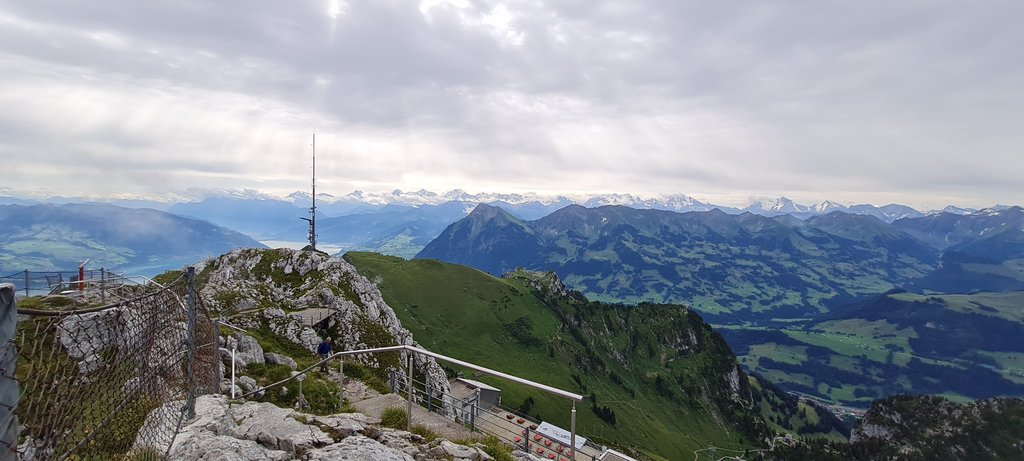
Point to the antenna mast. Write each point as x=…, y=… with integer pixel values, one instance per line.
x=312, y=210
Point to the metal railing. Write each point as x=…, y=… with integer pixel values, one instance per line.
x=96, y=283
x=409, y=385
x=507, y=425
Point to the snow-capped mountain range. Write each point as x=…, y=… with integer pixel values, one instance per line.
x=531, y=203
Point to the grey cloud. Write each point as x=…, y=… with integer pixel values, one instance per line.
x=637, y=96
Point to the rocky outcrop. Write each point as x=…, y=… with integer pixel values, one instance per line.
x=261, y=431
x=247, y=350
x=359, y=447
x=282, y=281
x=278, y=359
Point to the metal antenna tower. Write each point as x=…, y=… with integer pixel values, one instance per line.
x=312, y=210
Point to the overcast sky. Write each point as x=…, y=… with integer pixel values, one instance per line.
x=917, y=102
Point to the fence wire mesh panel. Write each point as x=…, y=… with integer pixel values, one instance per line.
x=112, y=382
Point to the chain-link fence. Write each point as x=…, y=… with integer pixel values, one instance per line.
x=96, y=383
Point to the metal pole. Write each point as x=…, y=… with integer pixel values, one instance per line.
x=341, y=390
x=408, y=403
x=473, y=410
x=103, y=289
x=217, y=368
x=233, y=348
x=430, y=400
x=572, y=435
x=9, y=391
x=26, y=283
x=191, y=403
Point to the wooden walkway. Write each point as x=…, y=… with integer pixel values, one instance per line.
x=314, y=316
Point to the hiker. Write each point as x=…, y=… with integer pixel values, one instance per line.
x=324, y=351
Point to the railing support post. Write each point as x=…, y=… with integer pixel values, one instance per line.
x=26, y=283
x=408, y=403
x=341, y=382
x=572, y=434
x=430, y=398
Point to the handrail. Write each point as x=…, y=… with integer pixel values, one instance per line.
x=498, y=374
x=454, y=361
x=415, y=350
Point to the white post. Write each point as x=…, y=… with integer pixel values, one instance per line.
x=572, y=437
x=233, y=372
x=341, y=391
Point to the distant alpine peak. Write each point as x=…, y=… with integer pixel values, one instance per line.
x=958, y=210
x=828, y=206
x=780, y=205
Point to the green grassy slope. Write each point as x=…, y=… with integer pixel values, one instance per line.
x=668, y=389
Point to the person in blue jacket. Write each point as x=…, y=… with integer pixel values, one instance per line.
x=324, y=351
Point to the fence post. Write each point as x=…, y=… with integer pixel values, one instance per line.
x=218, y=366
x=408, y=403
x=9, y=393
x=26, y=283
x=103, y=286
x=190, y=408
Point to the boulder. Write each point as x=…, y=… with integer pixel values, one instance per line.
x=249, y=385
x=278, y=359
x=248, y=351
x=458, y=451
x=225, y=388
x=344, y=424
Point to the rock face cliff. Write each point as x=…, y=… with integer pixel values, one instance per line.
x=930, y=427
x=270, y=289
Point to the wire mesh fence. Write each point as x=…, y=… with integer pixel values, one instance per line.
x=97, y=383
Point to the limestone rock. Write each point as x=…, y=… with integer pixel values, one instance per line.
x=249, y=385
x=278, y=359
x=248, y=351
x=225, y=388
x=458, y=451
x=344, y=424
x=294, y=280
x=224, y=448
x=357, y=448
x=274, y=427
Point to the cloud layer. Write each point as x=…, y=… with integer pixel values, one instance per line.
x=913, y=102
